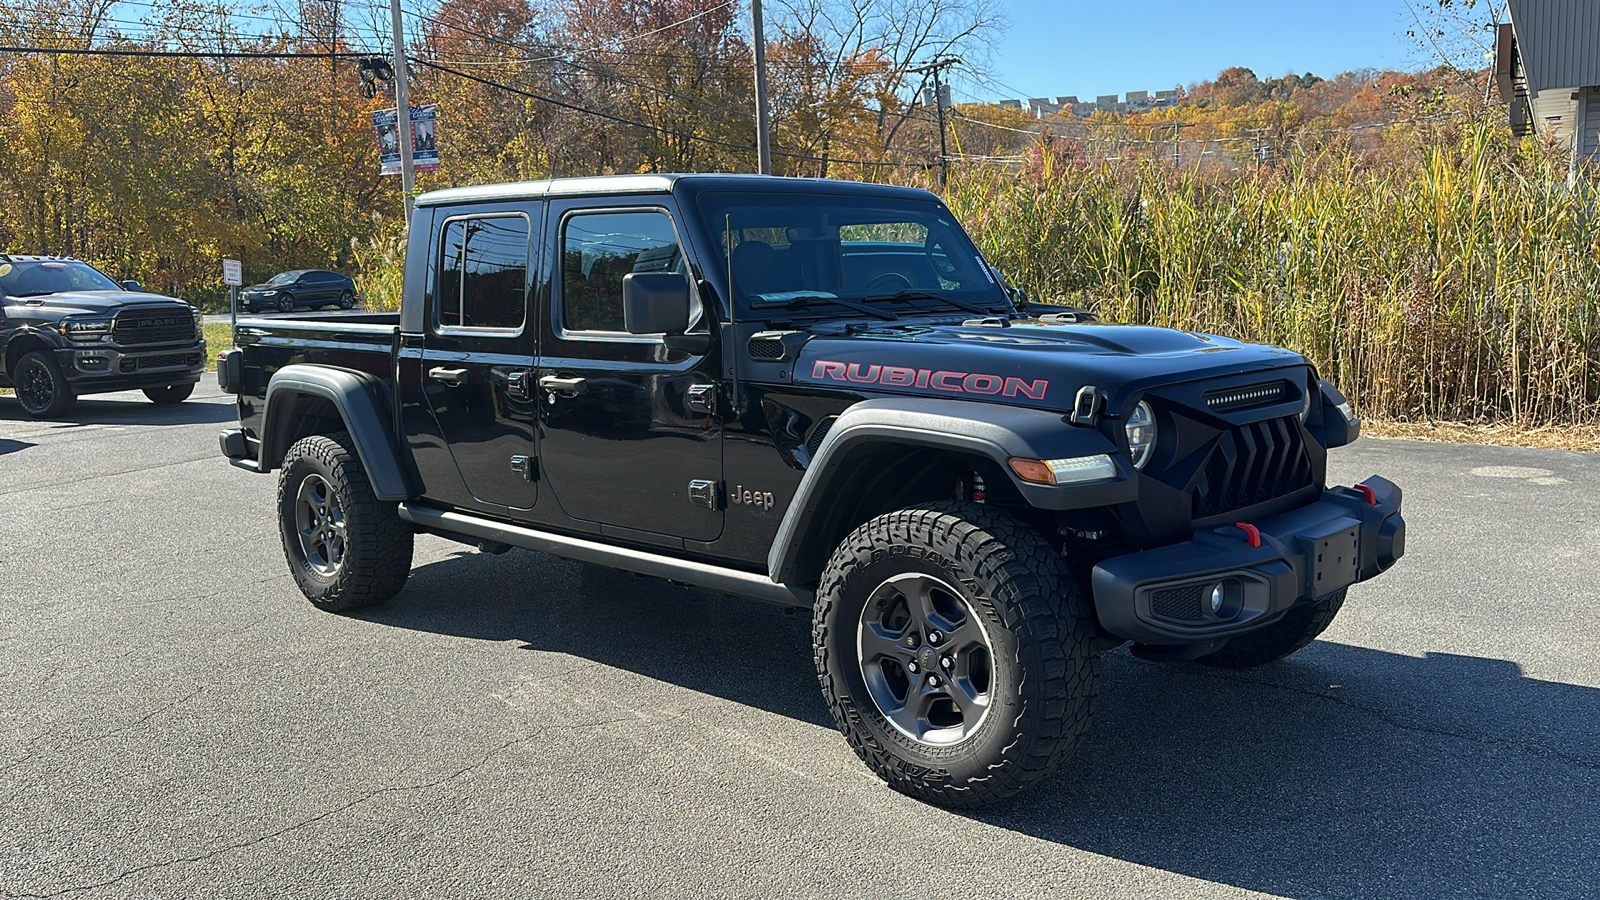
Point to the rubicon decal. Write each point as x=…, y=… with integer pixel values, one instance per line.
x=935, y=379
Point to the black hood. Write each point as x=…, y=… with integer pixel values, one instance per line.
x=74, y=303
x=1028, y=363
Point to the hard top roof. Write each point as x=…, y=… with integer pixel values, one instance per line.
x=656, y=184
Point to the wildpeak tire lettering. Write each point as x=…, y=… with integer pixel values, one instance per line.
x=935, y=379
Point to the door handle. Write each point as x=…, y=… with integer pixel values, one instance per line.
x=450, y=377
x=566, y=387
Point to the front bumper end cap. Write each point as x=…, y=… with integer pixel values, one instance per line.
x=1217, y=585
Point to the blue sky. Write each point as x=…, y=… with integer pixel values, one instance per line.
x=1060, y=47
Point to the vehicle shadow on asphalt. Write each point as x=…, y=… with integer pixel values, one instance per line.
x=1341, y=771
x=95, y=411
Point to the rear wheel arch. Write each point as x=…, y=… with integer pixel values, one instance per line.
x=305, y=400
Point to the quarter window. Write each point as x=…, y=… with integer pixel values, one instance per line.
x=483, y=273
x=597, y=250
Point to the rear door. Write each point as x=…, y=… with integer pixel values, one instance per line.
x=478, y=347
x=629, y=423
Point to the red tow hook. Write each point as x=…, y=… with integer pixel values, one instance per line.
x=1252, y=534
x=1372, y=496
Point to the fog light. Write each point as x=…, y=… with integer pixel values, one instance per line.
x=1216, y=600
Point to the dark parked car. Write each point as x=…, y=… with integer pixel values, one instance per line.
x=313, y=288
x=67, y=328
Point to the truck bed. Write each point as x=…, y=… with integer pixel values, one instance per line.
x=360, y=341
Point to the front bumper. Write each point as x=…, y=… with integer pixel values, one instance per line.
x=91, y=368
x=1217, y=585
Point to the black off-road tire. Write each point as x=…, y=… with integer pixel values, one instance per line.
x=40, y=387
x=1046, y=661
x=169, y=394
x=376, y=556
x=1298, y=627
x=285, y=303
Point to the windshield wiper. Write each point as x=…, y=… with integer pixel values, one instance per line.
x=930, y=295
x=808, y=299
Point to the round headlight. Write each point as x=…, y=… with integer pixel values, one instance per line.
x=1141, y=429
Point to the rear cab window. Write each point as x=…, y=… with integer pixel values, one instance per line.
x=481, y=274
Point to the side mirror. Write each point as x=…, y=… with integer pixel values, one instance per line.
x=655, y=303
x=131, y=285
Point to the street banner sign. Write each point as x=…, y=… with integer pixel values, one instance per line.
x=424, y=139
x=232, y=272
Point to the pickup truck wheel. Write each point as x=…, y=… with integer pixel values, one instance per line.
x=169, y=394
x=346, y=548
x=285, y=303
x=956, y=652
x=1298, y=627
x=40, y=387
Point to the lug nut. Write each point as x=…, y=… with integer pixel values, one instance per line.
x=933, y=681
x=947, y=662
x=913, y=668
x=934, y=637
x=911, y=641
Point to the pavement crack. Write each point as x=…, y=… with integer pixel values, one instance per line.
x=294, y=826
x=124, y=727
x=1398, y=721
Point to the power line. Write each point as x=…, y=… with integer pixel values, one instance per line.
x=647, y=126
x=185, y=54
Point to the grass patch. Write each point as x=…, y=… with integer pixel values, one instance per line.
x=219, y=337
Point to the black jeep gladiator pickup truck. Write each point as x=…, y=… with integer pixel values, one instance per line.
x=818, y=394
x=67, y=328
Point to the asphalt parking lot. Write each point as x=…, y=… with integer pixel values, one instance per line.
x=176, y=721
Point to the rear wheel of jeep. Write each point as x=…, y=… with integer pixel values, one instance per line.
x=955, y=652
x=346, y=548
x=40, y=387
x=168, y=394
x=1298, y=627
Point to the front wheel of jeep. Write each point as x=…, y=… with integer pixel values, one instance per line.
x=346, y=548
x=956, y=653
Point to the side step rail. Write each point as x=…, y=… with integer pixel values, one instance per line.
x=698, y=574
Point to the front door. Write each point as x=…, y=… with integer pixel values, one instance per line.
x=632, y=437
x=477, y=357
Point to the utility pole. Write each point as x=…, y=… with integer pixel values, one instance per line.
x=402, y=107
x=758, y=37
x=935, y=66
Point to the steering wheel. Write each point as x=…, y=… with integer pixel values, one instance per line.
x=889, y=282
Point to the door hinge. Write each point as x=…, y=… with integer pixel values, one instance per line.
x=523, y=465
x=701, y=398
x=703, y=492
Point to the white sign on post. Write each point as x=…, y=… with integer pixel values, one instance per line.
x=232, y=272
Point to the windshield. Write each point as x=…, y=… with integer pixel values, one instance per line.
x=284, y=277
x=33, y=278
x=792, y=248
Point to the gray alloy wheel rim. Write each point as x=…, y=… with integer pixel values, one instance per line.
x=319, y=523
x=285, y=304
x=926, y=659
x=34, y=387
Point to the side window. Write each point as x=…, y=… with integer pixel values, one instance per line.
x=483, y=273
x=597, y=250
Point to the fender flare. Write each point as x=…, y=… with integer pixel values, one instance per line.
x=364, y=406
x=986, y=430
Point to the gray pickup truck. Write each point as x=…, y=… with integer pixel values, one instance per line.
x=67, y=329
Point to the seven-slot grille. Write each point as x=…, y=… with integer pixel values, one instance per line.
x=1247, y=397
x=1252, y=464
x=148, y=327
